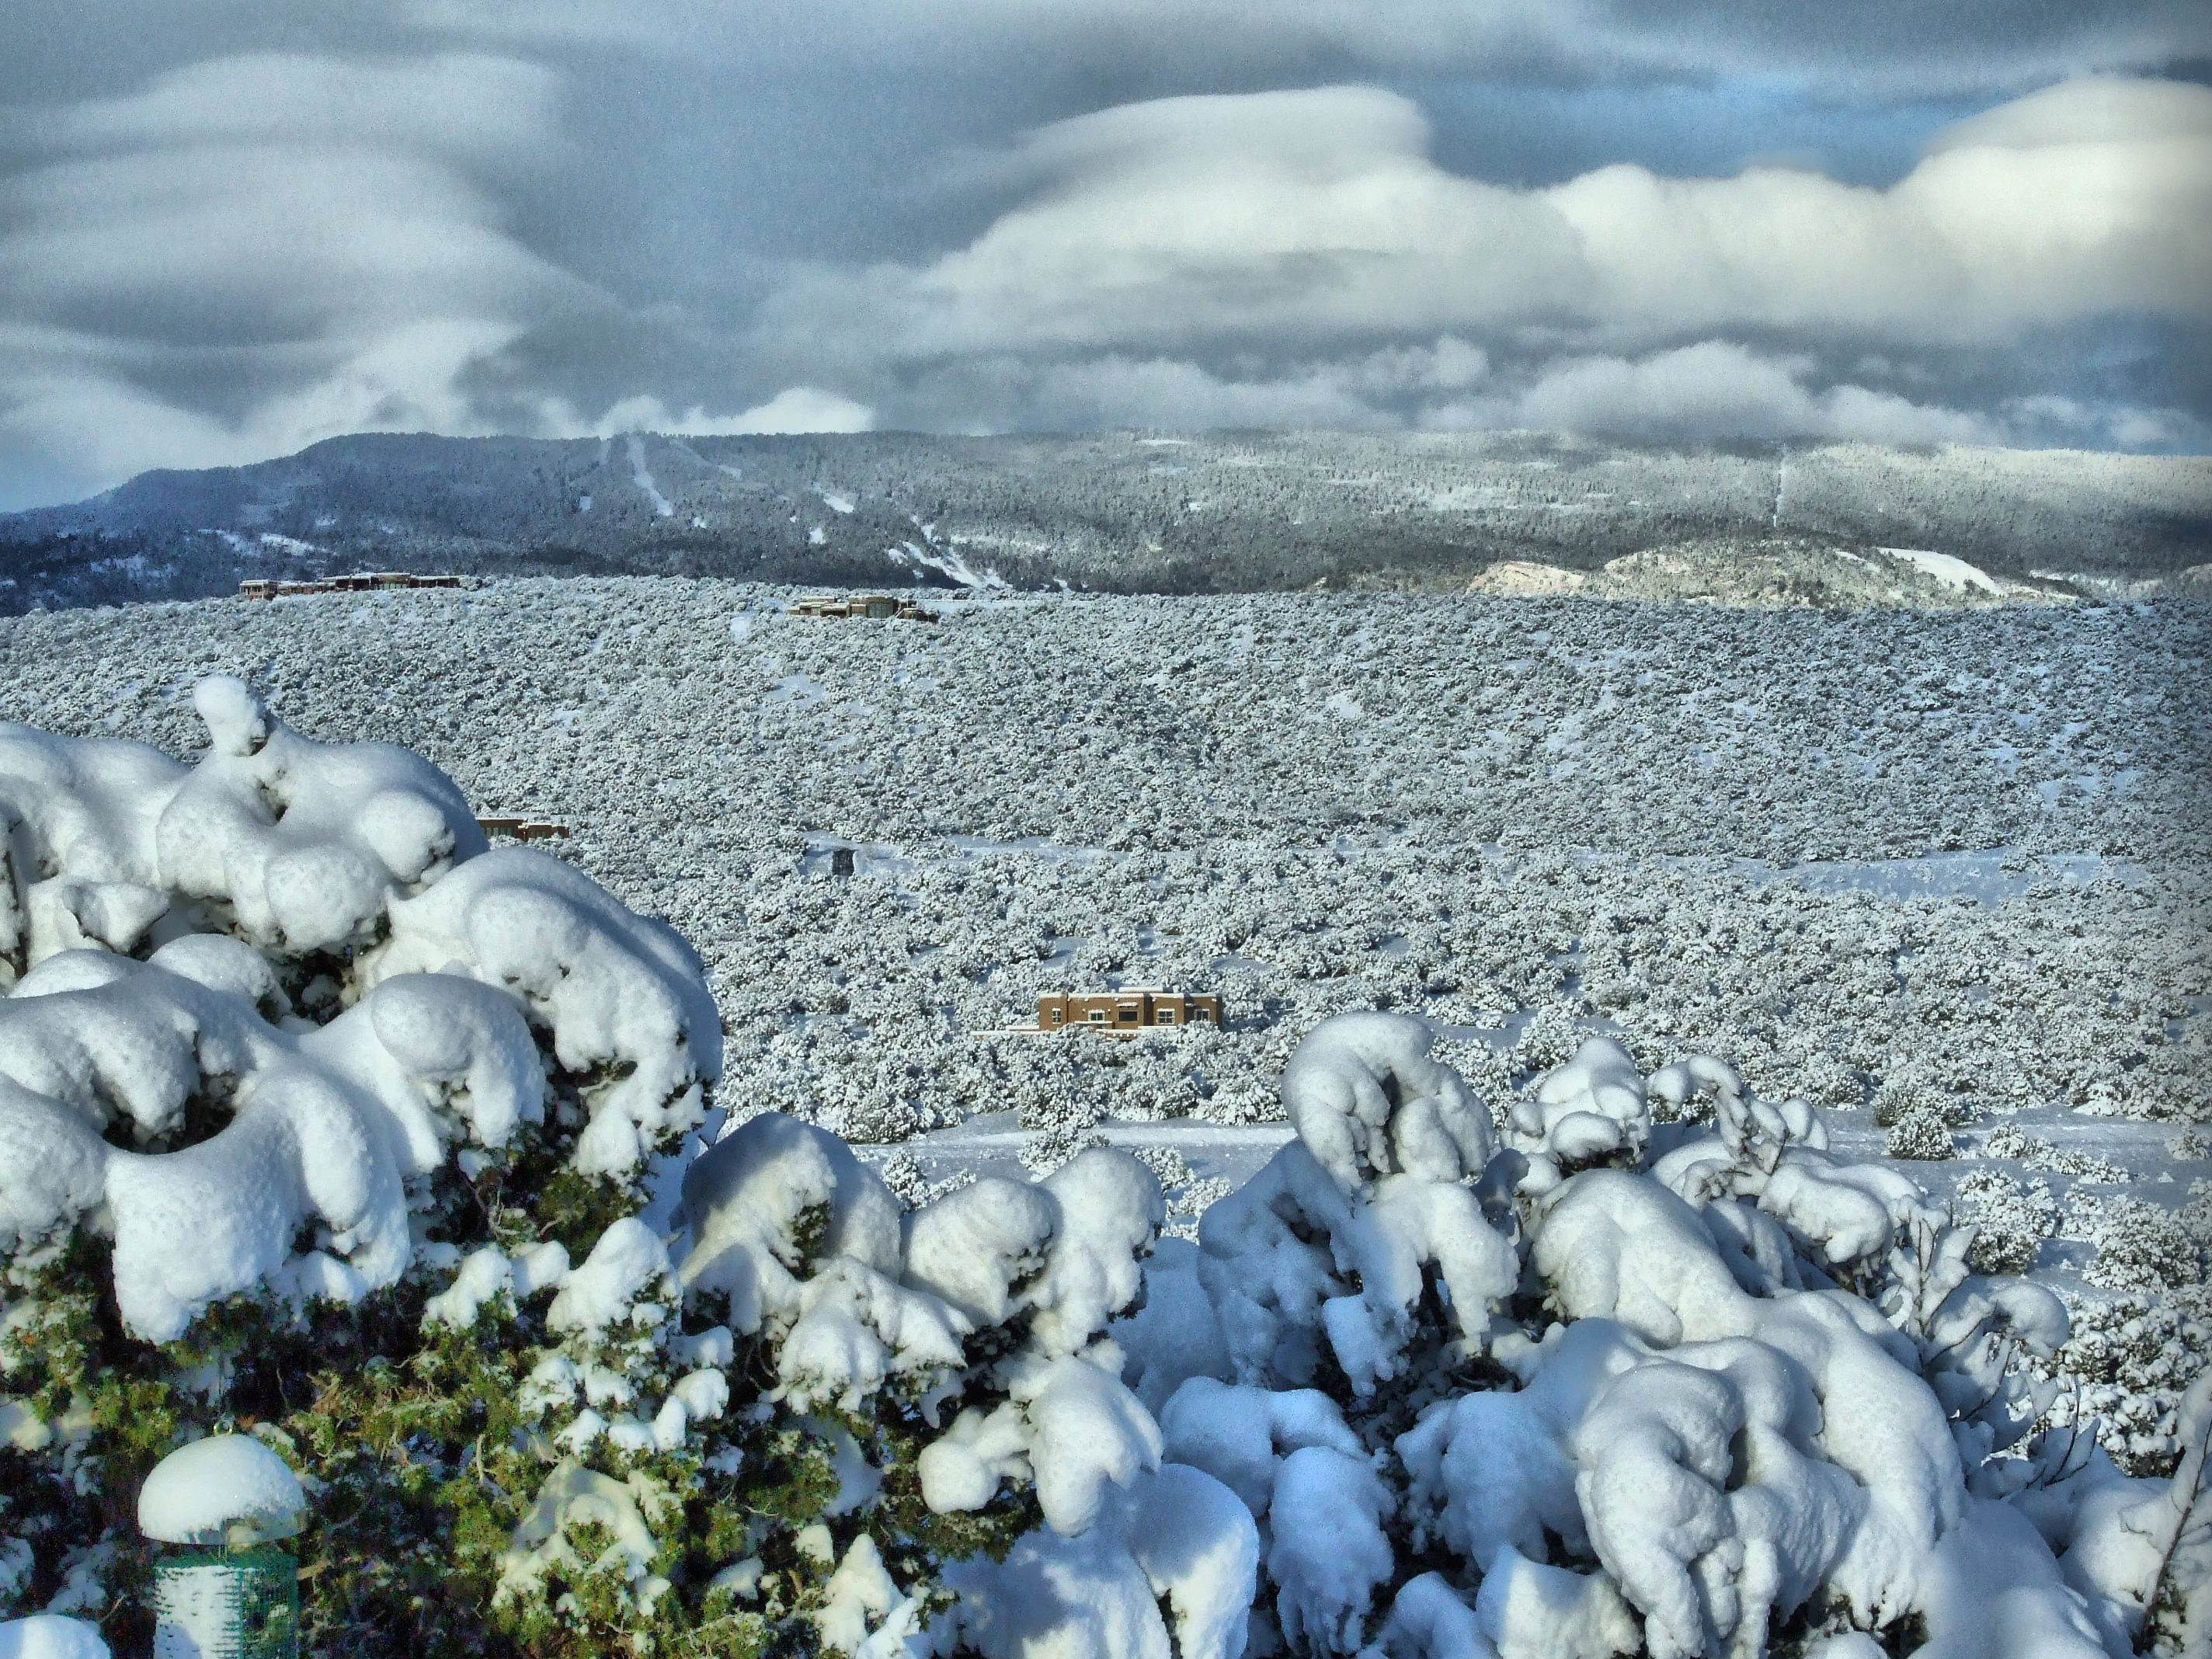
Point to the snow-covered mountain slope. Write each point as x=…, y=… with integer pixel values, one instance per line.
x=1120, y=512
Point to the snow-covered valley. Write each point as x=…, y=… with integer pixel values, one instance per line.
x=1964, y=853
x=1938, y=881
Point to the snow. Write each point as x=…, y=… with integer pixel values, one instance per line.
x=946, y=561
x=745, y=1202
x=1862, y=757
x=1110, y=1209
x=794, y=1236
x=628, y=1260
x=621, y=992
x=662, y=506
x=859, y=1590
x=1945, y=567
x=1632, y=1381
x=1532, y=1611
x=572, y=1495
x=1328, y=1553
x=1592, y=1106
x=1428, y=1620
x=1992, y=1591
x=1087, y=1436
x=227, y=1489
x=1724, y=1457
x=972, y=1247
x=1358, y=1074
x=1176, y=1542
x=1240, y=1435
x=300, y=847
x=484, y=1275
x=326, y=1124
x=45, y=1636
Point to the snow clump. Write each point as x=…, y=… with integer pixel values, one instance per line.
x=252, y=1000
x=1715, y=1387
x=49, y=1636
x=227, y=1489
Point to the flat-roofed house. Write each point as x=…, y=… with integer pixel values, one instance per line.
x=879, y=606
x=1126, y=1014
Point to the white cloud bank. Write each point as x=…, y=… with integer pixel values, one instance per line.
x=795, y=409
x=1321, y=212
x=259, y=252
x=1172, y=257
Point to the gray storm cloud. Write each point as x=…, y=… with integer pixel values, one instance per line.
x=1160, y=243
x=1858, y=47
x=261, y=251
x=239, y=256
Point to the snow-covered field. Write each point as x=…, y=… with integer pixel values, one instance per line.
x=1895, y=858
x=1960, y=855
x=1943, y=876
x=1955, y=861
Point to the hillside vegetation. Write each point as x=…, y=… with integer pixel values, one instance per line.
x=1124, y=513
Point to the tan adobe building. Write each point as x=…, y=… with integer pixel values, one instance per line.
x=521, y=829
x=877, y=606
x=1126, y=1014
x=361, y=581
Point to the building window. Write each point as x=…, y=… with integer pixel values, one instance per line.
x=1163, y=1016
x=1128, y=1016
x=1059, y=1015
x=1097, y=1015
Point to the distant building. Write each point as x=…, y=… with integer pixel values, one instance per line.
x=360, y=581
x=521, y=829
x=881, y=607
x=1126, y=1013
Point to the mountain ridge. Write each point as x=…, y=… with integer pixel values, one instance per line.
x=1122, y=510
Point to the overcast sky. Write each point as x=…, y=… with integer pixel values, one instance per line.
x=229, y=228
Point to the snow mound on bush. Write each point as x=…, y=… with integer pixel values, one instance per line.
x=623, y=996
x=298, y=844
x=48, y=1636
x=324, y=1127
x=227, y=1488
x=1713, y=1387
x=180, y=1105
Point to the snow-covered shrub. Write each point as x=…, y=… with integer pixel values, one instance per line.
x=2127, y=1361
x=1909, y=1093
x=2010, y=1222
x=318, y=1119
x=304, y=1095
x=1618, y=1383
x=694, y=738
x=1922, y=1134
x=1730, y=1392
x=2010, y=1140
x=2142, y=1247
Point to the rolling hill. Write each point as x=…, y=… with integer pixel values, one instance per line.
x=1122, y=511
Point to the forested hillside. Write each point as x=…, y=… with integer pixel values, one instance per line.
x=1118, y=511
